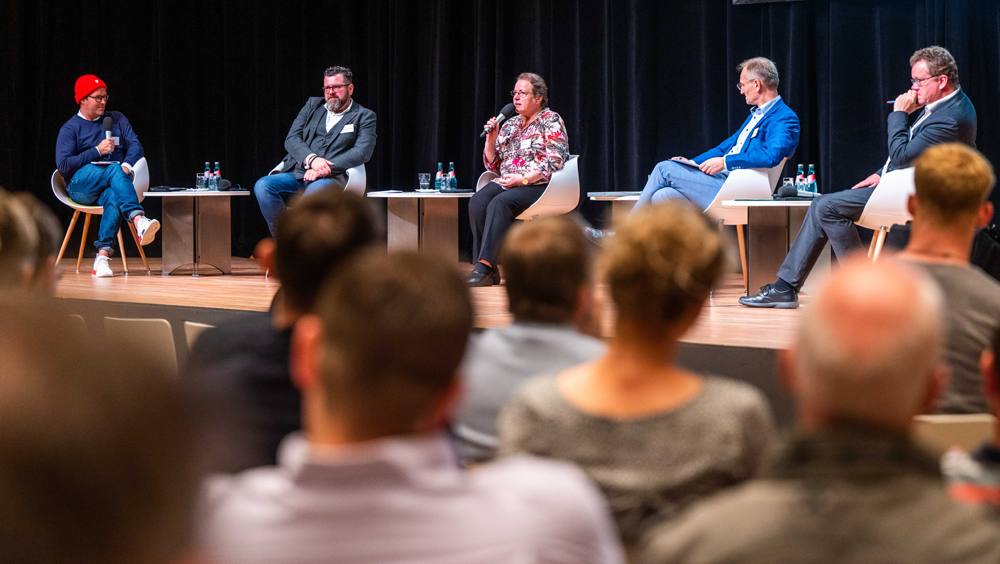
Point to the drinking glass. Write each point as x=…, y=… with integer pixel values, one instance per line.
x=424, y=179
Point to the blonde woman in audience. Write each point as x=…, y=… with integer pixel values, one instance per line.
x=653, y=436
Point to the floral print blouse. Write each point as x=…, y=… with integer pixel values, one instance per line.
x=541, y=147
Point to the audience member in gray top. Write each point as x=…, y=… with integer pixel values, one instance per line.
x=375, y=479
x=548, y=272
x=849, y=487
x=953, y=184
x=651, y=435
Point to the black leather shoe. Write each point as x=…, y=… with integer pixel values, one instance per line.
x=597, y=236
x=496, y=275
x=477, y=278
x=769, y=297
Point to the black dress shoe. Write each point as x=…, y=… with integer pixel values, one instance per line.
x=769, y=297
x=479, y=278
x=496, y=275
x=597, y=236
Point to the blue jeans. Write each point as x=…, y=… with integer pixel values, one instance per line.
x=110, y=187
x=671, y=179
x=274, y=190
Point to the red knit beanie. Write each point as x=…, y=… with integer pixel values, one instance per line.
x=87, y=84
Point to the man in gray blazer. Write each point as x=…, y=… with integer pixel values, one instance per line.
x=330, y=135
x=946, y=115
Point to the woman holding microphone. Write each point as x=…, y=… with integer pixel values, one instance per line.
x=525, y=151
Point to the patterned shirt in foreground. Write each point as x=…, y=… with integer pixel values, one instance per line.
x=542, y=147
x=649, y=468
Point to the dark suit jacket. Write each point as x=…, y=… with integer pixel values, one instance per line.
x=344, y=149
x=952, y=121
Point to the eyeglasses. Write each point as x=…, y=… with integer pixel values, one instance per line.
x=740, y=86
x=100, y=98
x=334, y=87
x=921, y=81
x=520, y=93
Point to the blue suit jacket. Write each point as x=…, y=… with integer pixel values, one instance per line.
x=775, y=137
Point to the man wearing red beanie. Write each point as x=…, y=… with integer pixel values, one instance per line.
x=82, y=154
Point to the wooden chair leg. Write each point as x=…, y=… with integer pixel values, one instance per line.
x=83, y=239
x=881, y=241
x=121, y=249
x=72, y=224
x=743, y=254
x=871, y=248
x=135, y=237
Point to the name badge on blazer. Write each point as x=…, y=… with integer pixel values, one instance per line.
x=526, y=143
x=754, y=134
x=349, y=128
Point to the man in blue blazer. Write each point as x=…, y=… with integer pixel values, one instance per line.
x=946, y=115
x=330, y=135
x=769, y=134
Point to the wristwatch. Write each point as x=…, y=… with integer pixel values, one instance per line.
x=524, y=180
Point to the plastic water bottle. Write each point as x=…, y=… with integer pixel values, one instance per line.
x=216, y=177
x=811, y=180
x=208, y=177
x=800, y=178
x=452, y=181
x=439, y=178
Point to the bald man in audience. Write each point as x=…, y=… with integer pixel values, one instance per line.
x=849, y=486
x=375, y=478
x=951, y=203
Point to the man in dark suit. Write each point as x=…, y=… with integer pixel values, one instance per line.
x=946, y=116
x=329, y=136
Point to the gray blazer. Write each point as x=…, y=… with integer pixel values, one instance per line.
x=345, y=150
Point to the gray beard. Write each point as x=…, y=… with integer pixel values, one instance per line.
x=334, y=104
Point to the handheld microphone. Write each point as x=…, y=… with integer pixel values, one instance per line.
x=107, y=130
x=505, y=113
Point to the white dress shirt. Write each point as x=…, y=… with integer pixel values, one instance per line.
x=757, y=113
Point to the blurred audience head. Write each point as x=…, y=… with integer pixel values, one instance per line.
x=953, y=185
x=380, y=355
x=315, y=238
x=99, y=462
x=19, y=242
x=45, y=272
x=867, y=356
x=661, y=266
x=547, y=266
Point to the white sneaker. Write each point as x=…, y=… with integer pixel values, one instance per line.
x=101, y=268
x=146, y=229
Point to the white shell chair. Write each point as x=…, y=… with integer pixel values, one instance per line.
x=887, y=207
x=357, y=178
x=561, y=196
x=141, y=183
x=744, y=183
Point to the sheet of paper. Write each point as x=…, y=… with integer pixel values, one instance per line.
x=684, y=161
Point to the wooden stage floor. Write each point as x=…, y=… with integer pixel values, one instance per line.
x=723, y=321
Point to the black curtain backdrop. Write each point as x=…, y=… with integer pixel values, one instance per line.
x=636, y=81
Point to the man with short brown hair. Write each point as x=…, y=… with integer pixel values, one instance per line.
x=375, y=478
x=953, y=184
x=548, y=274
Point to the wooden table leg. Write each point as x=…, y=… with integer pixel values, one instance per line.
x=439, y=226
x=403, y=225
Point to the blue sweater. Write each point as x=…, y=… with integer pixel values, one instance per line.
x=78, y=139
